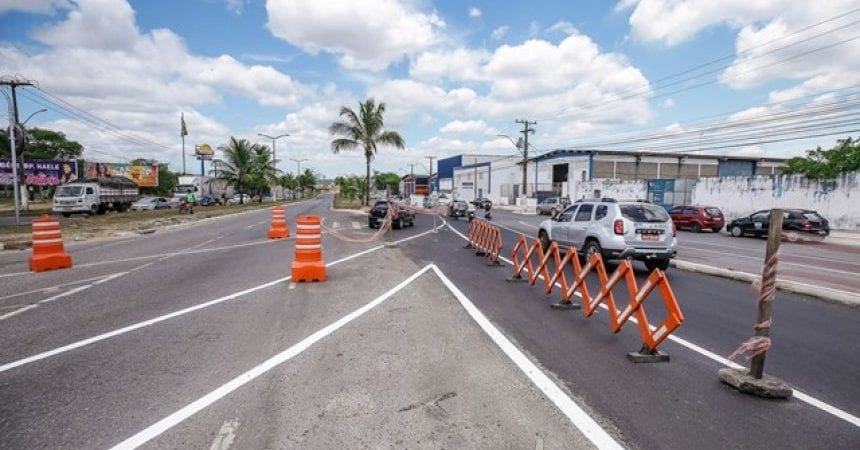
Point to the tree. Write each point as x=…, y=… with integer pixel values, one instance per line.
x=363, y=130
x=827, y=164
x=237, y=167
x=289, y=181
x=307, y=179
x=44, y=144
x=263, y=171
x=387, y=180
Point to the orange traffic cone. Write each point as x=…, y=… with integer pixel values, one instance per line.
x=48, y=251
x=279, y=224
x=308, y=264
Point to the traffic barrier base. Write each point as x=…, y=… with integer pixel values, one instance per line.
x=279, y=228
x=48, y=251
x=646, y=355
x=308, y=264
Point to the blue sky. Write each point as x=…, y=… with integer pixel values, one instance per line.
x=453, y=74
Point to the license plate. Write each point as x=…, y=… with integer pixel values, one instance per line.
x=650, y=237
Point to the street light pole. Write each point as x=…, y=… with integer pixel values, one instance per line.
x=274, y=140
x=298, y=167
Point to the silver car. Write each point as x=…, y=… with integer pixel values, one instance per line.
x=552, y=205
x=617, y=229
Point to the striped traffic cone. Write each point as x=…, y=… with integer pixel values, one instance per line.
x=48, y=251
x=279, y=224
x=308, y=264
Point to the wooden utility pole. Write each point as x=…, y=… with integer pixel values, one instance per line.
x=525, y=132
x=768, y=287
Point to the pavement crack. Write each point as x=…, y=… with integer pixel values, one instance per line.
x=434, y=402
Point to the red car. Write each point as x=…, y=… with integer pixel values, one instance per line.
x=697, y=218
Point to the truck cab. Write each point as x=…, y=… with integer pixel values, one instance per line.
x=95, y=196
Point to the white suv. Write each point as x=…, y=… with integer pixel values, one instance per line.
x=617, y=229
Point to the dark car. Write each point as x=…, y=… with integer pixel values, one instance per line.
x=697, y=218
x=207, y=200
x=483, y=203
x=794, y=221
x=457, y=209
x=401, y=216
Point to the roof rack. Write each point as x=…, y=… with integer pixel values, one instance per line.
x=595, y=199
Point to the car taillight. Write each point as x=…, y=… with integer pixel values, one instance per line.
x=805, y=223
x=618, y=226
x=674, y=230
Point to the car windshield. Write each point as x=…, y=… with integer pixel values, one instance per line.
x=714, y=211
x=644, y=213
x=811, y=216
x=69, y=191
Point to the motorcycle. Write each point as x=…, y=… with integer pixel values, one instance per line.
x=487, y=214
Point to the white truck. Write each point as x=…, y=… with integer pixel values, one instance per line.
x=200, y=185
x=95, y=196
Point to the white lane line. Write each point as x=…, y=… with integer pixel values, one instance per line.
x=252, y=225
x=781, y=262
x=192, y=408
x=785, y=252
x=47, y=300
x=18, y=311
x=528, y=224
x=828, y=408
x=356, y=225
x=52, y=288
x=577, y=416
x=181, y=312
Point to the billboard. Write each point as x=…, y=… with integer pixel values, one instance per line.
x=144, y=176
x=41, y=172
x=204, y=152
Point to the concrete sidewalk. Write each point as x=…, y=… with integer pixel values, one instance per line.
x=851, y=238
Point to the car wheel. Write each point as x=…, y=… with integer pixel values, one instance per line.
x=737, y=231
x=544, y=240
x=652, y=264
x=695, y=228
x=67, y=214
x=591, y=247
x=716, y=229
x=399, y=224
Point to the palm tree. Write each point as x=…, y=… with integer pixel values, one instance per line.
x=263, y=170
x=237, y=167
x=363, y=130
x=288, y=181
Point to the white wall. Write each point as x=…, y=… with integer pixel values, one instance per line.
x=837, y=200
x=618, y=189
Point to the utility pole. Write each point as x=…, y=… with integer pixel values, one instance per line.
x=299, y=170
x=13, y=130
x=274, y=140
x=412, y=176
x=431, y=172
x=525, y=132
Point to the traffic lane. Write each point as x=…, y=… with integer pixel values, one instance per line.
x=115, y=387
x=822, y=252
x=677, y=405
x=163, y=286
x=415, y=371
x=720, y=313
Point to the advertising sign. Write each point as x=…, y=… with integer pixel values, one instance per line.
x=204, y=152
x=144, y=176
x=41, y=172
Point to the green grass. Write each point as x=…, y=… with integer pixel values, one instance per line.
x=346, y=203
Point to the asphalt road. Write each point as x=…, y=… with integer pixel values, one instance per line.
x=194, y=337
x=818, y=263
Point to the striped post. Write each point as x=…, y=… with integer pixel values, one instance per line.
x=48, y=251
x=308, y=264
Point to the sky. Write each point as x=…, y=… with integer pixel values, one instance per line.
x=639, y=75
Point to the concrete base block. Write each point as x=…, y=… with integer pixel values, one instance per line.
x=391, y=245
x=766, y=387
x=479, y=253
x=495, y=264
x=565, y=306
x=645, y=356
x=515, y=279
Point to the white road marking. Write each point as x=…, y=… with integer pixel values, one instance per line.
x=102, y=279
x=333, y=224
x=578, y=417
x=52, y=288
x=177, y=417
x=181, y=312
x=844, y=415
x=226, y=435
x=528, y=224
x=781, y=262
x=356, y=225
x=252, y=225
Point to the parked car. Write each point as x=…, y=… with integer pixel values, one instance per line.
x=793, y=221
x=616, y=229
x=457, y=209
x=239, y=198
x=697, y=218
x=428, y=202
x=482, y=203
x=207, y=200
x=552, y=205
x=150, y=203
x=443, y=200
x=401, y=215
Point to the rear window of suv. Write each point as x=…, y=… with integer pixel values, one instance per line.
x=714, y=211
x=644, y=213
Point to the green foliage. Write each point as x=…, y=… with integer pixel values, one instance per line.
x=827, y=164
x=363, y=130
x=44, y=144
x=351, y=187
x=386, y=180
x=236, y=169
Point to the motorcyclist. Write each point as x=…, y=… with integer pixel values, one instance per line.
x=190, y=199
x=487, y=214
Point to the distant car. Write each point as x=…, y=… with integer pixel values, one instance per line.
x=794, y=221
x=443, y=200
x=428, y=202
x=697, y=218
x=207, y=200
x=482, y=203
x=239, y=198
x=150, y=203
x=552, y=205
x=457, y=209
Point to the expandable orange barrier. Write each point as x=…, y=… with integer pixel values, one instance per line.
x=48, y=251
x=308, y=264
x=279, y=224
x=523, y=256
x=486, y=239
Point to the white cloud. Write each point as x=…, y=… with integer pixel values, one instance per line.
x=34, y=6
x=474, y=12
x=625, y=4
x=97, y=59
x=499, y=33
x=534, y=28
x=668, y=103
x=563, y=27
x=433, y=66
x=464, y=127
x=367, y=35
x=235, y=6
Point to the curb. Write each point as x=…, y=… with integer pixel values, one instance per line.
x=827, y=294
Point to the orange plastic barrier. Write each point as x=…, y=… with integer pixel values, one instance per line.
x=308, y=264
x=486, y=239
x=279, y=224
x=523, y=256
x=48, y=251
